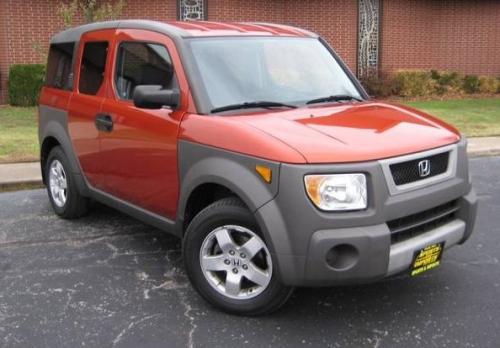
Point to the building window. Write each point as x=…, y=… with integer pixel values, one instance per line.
x=192, y=10
x=368, y=45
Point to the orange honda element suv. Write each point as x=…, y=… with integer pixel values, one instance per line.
x=257, y=146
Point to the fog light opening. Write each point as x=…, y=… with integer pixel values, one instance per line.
x=342, y=257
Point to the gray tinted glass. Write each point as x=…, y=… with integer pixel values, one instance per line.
x=281, y=69
x=59, y=66
x=140, y=63
x=92, y=67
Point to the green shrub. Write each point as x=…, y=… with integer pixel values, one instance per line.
x=25, y=82
x=451, y=79
x=447, y=81
x=435, y=74
x=418, y=83
x=471, y=84
x=440, y=89
x=380, y=86
x=488, y=84
x=414, y=83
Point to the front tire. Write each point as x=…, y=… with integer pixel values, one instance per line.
x=229, y=263
x=66, y=201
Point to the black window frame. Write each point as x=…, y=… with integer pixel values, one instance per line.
x=116, y=60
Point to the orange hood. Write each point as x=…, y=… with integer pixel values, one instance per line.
x=339, y=133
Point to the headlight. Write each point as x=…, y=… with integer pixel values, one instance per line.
x=337, y=191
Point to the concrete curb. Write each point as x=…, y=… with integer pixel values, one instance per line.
x=26, y=185
x=487, y=153
x=28, y=174
x=483, y=146
x=20, y=175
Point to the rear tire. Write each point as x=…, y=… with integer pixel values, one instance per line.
x=233, y=276
x=64, y=196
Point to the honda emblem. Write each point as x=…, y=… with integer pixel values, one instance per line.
x=424, y=168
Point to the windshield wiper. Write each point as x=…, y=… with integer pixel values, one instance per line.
x=249, y=105
x=331, y=98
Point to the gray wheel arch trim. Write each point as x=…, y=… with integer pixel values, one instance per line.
x=201, y=164
x=53, y=123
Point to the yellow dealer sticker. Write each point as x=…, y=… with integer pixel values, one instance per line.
x=427, y=258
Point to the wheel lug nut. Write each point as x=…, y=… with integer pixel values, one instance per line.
x=231, y=252
x=227, y=262
x=235, y=270
x=242, y=255
x=245, y=267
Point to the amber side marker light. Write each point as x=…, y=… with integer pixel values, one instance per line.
x=265, y=172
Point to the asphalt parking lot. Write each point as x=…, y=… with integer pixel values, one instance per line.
x=108, y=280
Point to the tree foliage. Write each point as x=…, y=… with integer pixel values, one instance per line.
x=90, y=10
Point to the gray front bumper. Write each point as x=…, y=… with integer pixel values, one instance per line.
x=377, y=257
x=401, y=254
x=301, y=236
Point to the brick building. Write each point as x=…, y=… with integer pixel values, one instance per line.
x=370, y=35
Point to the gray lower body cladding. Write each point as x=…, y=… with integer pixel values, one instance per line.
x=53, y=123
x=304, y=239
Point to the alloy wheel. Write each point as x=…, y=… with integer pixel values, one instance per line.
x=58, y=183
x=236, y=262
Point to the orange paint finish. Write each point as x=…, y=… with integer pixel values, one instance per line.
x=141, y=152
x=82, y=111
x=335, y=133
x=56, y=98
x=232, y=134
x=137, y=161
x=141, y=157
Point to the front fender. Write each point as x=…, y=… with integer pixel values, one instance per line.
x=201, y=164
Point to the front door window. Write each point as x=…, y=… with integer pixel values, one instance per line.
x=140, y=63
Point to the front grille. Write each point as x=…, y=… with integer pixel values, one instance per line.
x=411, y=226
x=407, y=172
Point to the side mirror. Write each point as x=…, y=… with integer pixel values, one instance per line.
x=155, y=97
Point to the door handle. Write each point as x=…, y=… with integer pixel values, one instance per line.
x=104, y=122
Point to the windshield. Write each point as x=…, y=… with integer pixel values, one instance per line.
x=285, y=70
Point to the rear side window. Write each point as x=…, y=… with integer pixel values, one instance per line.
x=60, y=66
x=92, y=67
x=142, y=63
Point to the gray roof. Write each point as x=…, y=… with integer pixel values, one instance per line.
x=74, y=34
x=175, y=31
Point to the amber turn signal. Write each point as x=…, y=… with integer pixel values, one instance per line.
x=265, y=172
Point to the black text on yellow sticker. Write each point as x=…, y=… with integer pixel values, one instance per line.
x=427, y=258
